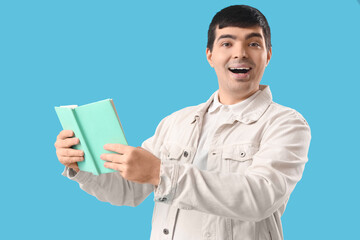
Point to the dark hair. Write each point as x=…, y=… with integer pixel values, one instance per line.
x=242, y=16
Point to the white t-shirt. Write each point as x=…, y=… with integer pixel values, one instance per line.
x=216, y=115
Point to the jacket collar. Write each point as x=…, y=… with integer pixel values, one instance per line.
x=251, y=113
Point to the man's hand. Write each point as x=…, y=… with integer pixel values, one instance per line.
x=66, y=155
x=134, y=164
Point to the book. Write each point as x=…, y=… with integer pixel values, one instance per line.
x=95, y=124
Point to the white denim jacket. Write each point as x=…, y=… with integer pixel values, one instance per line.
x=254, y=163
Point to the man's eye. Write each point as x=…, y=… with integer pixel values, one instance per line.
x=226, y=44
x=254, y=44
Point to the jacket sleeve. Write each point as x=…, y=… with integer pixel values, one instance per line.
x=255, y=195
x=113, y=188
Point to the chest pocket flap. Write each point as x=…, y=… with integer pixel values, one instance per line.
x=240, y=152
x=237, y=158
x=171, y=151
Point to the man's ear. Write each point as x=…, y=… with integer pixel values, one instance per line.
x=269, y=54
x=209, y=57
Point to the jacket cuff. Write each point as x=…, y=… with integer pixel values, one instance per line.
x=165, y=191
x=80, y=177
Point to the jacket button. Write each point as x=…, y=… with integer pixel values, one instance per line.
x=186, y=154
x=166, y=231
x=242, y=154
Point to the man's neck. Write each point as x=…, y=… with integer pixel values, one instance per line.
x=230, y=99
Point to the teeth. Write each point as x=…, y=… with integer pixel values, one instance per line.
x=239, y=68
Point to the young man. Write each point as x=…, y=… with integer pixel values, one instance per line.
x=223, y=169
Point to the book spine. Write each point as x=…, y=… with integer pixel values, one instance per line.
x=86, y=149
x=117, y=116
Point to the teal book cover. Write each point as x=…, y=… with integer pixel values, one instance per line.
x=95, y=124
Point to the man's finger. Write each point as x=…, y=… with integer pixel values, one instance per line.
x=67, y=143
x=65, y=134
x=111, y=157
x=115, y=166
x=69, y=152
x=69, y=160
x=116, y=147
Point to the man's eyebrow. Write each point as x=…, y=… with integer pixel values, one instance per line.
x=250, y=35
x=253, y=34
x=226, y=36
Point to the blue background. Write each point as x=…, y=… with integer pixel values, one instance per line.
x=149, y=56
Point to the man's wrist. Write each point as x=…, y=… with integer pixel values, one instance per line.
x=156, y=175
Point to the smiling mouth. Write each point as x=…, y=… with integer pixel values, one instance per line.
x=239, y=70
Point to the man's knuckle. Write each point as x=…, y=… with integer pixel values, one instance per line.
x=127, y=160
x=132, y=152
x=67, y=152
x=67, y=142
x=61, y=143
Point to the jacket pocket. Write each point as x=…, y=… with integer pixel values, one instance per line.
x=174, y=152
x=239, y=157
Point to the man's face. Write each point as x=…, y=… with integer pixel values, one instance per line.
x=239, y=57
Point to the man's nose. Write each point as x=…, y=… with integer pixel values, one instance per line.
x=240, y=51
